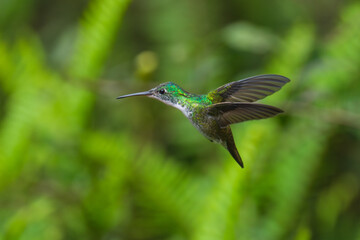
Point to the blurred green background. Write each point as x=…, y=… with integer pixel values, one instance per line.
x=77, y=164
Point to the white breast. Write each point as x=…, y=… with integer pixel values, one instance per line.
x=183, y=109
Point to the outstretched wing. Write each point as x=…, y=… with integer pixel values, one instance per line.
x=249, y=89
x=228, y=113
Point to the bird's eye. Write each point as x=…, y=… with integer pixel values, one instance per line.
x=162, y=91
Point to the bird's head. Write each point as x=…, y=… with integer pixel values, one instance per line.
x=169, y=93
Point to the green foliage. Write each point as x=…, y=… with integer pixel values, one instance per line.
x=245, y=37
x=77, y=164
x=95, y=36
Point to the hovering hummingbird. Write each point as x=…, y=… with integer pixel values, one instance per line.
x=213, y=113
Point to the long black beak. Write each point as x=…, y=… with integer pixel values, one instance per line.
x=146, y=93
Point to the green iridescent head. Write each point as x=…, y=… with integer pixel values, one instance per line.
x=169, y=93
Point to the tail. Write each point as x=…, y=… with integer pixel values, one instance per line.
x=231, y=147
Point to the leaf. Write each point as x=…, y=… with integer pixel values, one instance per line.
x=247, y=37
x=96, y=34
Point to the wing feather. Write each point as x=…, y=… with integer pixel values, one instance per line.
x=249, y=89
x=229, y=113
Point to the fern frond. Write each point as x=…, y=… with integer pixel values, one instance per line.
x=305, y=140
x=168, y=188
x=33, y=221
x=21, y=108
x=6, y=67
x=223, y=205
x=113, y=155
x=96, y=35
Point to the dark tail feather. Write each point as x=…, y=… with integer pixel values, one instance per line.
x=231, y=147
x=235, y=154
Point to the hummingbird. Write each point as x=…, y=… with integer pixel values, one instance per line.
x=213, y=113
